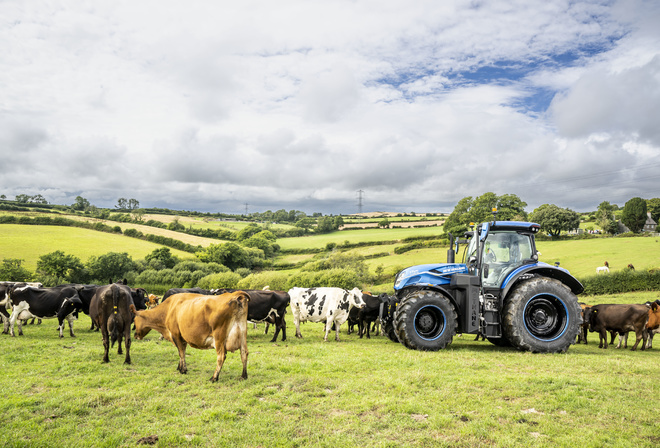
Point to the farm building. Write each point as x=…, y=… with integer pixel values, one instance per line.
x=650, y=225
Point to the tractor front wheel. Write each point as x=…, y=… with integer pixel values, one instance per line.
x=541, y=315
x=425, y=320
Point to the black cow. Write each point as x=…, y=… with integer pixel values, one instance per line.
x=112, y=315
x=266, y=306
x=44, y=303
x=375, y=305
x=620, y=319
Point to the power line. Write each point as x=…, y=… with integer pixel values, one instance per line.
x=360, y=192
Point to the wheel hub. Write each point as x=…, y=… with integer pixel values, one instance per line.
x=544, y=317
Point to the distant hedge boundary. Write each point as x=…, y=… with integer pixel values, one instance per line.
x=622, y=281
x=99, y=227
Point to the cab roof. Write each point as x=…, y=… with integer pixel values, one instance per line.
x=517, y=226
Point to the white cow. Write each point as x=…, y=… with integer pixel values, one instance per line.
x=602, y=269
x=329, y=305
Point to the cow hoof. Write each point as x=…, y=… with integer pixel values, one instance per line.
x=214, y=379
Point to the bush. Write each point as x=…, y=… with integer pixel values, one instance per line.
x=621, y=281
x=227, y=280
x=274, y=281
x=337, y=278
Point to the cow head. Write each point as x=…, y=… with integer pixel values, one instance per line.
x=654, y=316
x=141, y=330
x=355, y=298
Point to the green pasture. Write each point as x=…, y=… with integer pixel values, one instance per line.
x=582, y=257
x=309, y=393
x=356, y=236
x=28, y=243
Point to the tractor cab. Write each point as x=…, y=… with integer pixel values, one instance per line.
x=498, y=248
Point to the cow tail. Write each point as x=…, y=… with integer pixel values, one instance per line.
x=115, y=323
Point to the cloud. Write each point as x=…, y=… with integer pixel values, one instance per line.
x=299, y=105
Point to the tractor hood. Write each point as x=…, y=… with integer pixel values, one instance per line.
x=428, y=274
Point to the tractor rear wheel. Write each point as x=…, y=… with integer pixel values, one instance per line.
x=425, y=320
x=541, y=315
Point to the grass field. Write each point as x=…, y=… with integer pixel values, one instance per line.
x=28, y=243
x=307, y=393
x=356, y=236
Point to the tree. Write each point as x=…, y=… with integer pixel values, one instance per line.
x=634, y=214
x=81, y=204
x=63, y=268
x=122, y=204
x=325, y=224
x=164, y=256
x=111, y=266
x=228, y=254
x=653, y=206
x=384, y=223
x=133, y=204
x=554, y=220
x=605, y=214
x=480, y=209
x=12, y=271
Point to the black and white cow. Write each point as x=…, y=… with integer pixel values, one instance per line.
x=265, y=306
x=329, y=305
x=61, y=302
x=4, y=302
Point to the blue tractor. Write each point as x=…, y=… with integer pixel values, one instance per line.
x=501, y=291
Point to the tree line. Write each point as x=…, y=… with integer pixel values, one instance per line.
x=552, y=218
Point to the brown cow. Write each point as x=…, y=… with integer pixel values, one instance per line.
x=582, y=335
x=621, y=319
x=112, y=315
x=653, y=325
x=204, y=322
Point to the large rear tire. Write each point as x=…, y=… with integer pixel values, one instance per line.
x=541, y=315
x=425, y=320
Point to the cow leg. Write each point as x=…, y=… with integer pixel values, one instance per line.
x=337, y=333
x=613, y=335
x=181, y=346
x=368, y=325
x=328, y=328
x=127, y=338
x=296, y=322
x=106, y=337
x=278, y=327
x=244, y=357
x=639, y=336
x=22, y=306
x=70, y=320
x=603, y=339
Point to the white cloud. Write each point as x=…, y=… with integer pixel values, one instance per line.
x=299, y=104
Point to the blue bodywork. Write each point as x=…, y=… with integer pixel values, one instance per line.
x=429, y=274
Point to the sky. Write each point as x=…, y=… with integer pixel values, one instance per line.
x=330, y=106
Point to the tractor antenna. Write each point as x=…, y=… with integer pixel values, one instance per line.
x=360, y=192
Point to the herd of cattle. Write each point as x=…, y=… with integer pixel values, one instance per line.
x=218, y=319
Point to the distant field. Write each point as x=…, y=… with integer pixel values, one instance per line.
x=355, y=236
x=30, y=242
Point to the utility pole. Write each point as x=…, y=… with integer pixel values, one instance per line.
x=246, y=209
x=360, y=192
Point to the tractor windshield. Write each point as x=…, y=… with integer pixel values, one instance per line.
x=503, y=252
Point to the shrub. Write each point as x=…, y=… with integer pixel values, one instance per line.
x=274, y=281
x=621, y=281
x=227, y=280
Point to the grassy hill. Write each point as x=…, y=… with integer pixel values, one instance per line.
x=581, y=257
x=30, y=242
